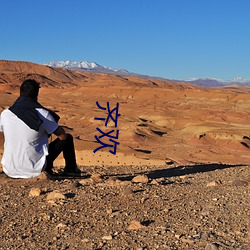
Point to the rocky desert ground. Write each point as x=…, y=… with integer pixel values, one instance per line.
x=179, y=178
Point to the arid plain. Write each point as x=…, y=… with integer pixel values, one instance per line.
x=166, y=130
x=161, y=121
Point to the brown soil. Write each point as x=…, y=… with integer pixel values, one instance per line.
x=193, y=207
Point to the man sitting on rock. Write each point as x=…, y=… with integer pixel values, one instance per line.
x=27, y=126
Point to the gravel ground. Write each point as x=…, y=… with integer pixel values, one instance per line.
x=152, y=207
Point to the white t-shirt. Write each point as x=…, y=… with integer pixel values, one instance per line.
x=25, y=149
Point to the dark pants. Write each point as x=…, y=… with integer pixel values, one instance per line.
x=67, y=147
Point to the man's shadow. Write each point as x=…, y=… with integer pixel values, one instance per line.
x=159, y=173
x=180, y=171
x=186, y=170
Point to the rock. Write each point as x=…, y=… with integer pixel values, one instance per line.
x=35, y=192
x=143, y=199
x=86, y=181
x=239, y=183
x=107, y=237
x=135, y=225
x=214, y=183
x=183, y=177
x=205, y=213
x=140, y=179
x=60, y=225
x=127, y=191
x=211, y=246
x=124, y=183
x=112, y=181
x=109, y=211
x=154, y=182
x=43, y=176
x=55, y=195
x=85, y=240
x=97, y=178
x=177, y=236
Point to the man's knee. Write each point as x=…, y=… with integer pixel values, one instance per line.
x=69, y=137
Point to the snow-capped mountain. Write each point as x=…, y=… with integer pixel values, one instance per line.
x=70, y=65
x=86, y=66
x=94, y=67
x=213, y=82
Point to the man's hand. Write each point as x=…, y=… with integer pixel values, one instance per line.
x=60, y=133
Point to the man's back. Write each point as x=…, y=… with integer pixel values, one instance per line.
x=25, y=149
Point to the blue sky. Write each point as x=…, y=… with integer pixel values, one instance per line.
x=175, y=39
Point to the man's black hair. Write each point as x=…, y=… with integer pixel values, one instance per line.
x=29, y=88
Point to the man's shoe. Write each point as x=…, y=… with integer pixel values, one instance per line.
x=49, y=171
x=73, y=171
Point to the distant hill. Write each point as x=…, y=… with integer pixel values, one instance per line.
x=12, y=73
x=213, y=82
x=95, y=67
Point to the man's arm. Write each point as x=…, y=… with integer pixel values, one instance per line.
x=60, y=133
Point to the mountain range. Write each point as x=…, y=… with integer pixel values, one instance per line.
x=94, y=67
x=86, y=66
x=213, y=82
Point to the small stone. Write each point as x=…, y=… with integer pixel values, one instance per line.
x=154, y=182
x=140, y=179
x=183, y=177
x=211, y=246
x=54, y=195
x=85, y=181
x=196, y=236
x=85, y=240
x=97, y=178
x=112, y=181
x=127, y=191
x=35, y=192
x=135, y=225
x=205, y=213
x=43, y=176
x=143, y=199
x=109, y=211
x=167, y=210
x=214, y=183
x=107, y=237
x=177, y=236
x=60, y=225
x=238, y=233
x=124, y=183
x=239, y=183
